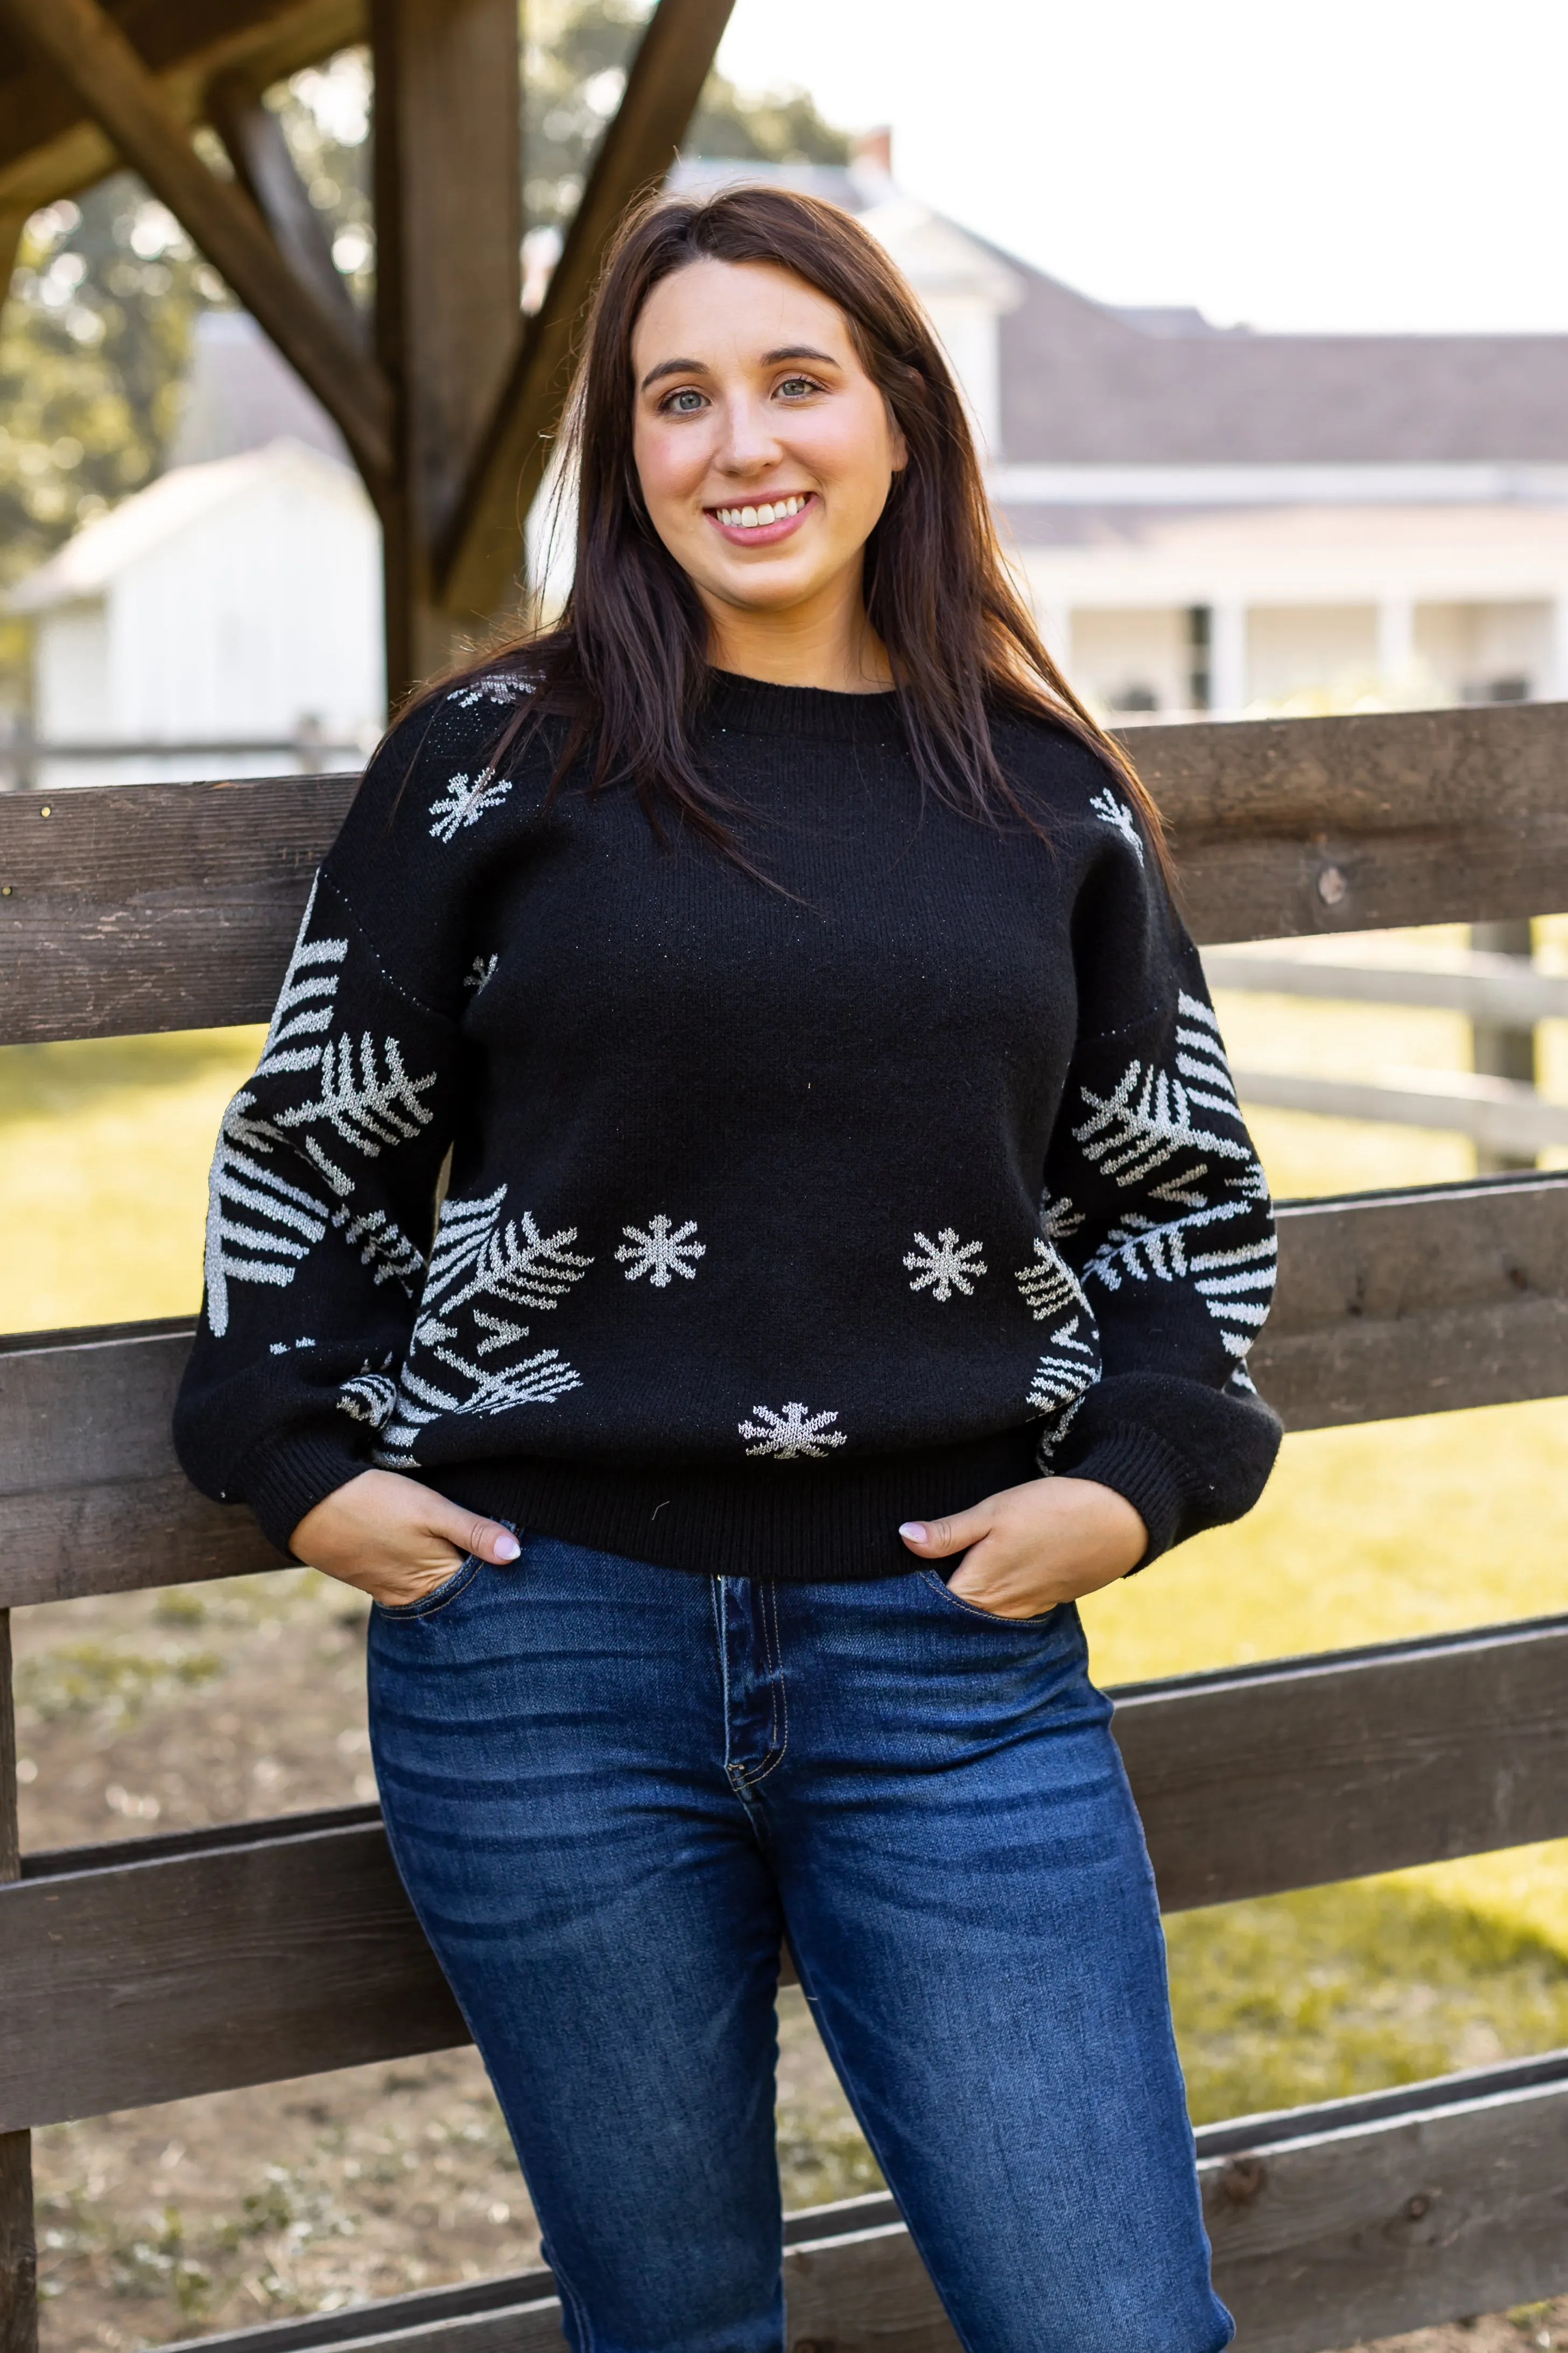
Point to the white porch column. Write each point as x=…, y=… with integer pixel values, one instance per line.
x=1395, y=638
x=1556, y=686
x=1227, y=659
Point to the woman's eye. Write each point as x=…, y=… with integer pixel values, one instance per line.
x=684, y=404
x=796, y=387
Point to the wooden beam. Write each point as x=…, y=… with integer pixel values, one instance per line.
x=87, y=50
x=151, y=1968
x=18, y=2250
x=160, y=907
x=1389, y=1304
x=1288, y=827
x=1418, y=1301
x=49, y=147
x=481, y=554
x=122, y=910
x=448, y=208
x=265, y=169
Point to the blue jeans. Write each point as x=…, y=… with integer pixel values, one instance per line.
x=612, y=1789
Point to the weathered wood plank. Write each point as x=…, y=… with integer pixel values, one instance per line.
x=1389, y=1304
x=170, y=906
x=90, y=53
x=153, y=1969
x=49, y=147
x=249, y=1955
x=1420, y=1300
x=1357, y=2218
x=1284, y=826
x=1308, y=1770
x=131, y=909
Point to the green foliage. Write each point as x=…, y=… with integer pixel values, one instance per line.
x=576, y=59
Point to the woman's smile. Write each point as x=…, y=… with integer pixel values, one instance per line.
x=763, y=522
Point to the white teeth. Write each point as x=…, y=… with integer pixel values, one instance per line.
x=757, y=518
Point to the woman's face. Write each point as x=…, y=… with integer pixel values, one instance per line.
x=763, y=450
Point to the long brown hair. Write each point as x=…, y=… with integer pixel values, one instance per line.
x=625, y=661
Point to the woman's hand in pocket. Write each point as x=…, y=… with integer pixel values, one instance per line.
x=1030, y=1547
x=395, y=1538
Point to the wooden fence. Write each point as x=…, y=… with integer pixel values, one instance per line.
x=150, y=1968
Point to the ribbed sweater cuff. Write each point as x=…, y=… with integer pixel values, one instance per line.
x=287, y=1477
x=1155, y=1479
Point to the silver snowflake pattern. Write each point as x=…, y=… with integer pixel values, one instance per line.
x=366, y=1098
x=480, y=972
x=795, y=1432
x=1119, y=817
x=370, y=1397
x=465, y=801
x=499, y=688
x=945, y=1266
x=1048, y=1284
x=660, y=1250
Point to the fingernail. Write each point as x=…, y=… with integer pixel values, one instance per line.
x=507, y=1548
x=913, y=1529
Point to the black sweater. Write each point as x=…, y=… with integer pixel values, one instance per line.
x=774, y=1215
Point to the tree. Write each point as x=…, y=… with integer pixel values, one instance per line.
x=95, y=338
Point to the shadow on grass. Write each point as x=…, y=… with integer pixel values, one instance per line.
x=1337, y=1990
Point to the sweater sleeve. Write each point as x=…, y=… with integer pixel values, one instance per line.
x=1158, y=1206
x=323, y=1192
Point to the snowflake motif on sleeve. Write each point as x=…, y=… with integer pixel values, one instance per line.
x=660, y=1250
x=480, y=1262
x=945, y=1266
x=1146, y=1129
x=793, y=1433
x=480, y=972
x=370, y=1397
x=497, y=688
x=1119, y=817
x=465, y=801
x=366, y=1098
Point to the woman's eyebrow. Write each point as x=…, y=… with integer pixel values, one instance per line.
x=674, y=367
x=798, y=351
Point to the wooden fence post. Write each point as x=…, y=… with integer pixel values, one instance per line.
x=18, y=2253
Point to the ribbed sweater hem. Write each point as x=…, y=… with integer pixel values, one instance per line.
x=796, y=1522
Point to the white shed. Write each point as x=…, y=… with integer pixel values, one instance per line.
x=237, y=601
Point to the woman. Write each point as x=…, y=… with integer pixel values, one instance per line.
x=847, y=1257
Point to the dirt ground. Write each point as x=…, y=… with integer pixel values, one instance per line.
x=210, y=1703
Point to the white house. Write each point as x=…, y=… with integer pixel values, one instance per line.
x=1215, y=519
x=235, y=601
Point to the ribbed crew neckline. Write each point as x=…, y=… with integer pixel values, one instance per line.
x=754, y=706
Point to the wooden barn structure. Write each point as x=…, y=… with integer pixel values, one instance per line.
x=153, y=1969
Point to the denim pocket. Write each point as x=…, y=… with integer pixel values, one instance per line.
x=462, y=1576
x=988, y=1617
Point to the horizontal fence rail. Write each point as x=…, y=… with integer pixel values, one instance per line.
x=1389, y=1304
x=153, y=1969
x=1503, y=1114
x=1354, y=2219
x=1474, y=982
x=144, y=907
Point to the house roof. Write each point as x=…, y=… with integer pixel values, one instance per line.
x=105, y=547
x=1083, y=384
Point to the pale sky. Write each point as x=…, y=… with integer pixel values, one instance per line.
x=1353, y=164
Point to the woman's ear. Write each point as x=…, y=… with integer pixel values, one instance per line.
x=898, y=448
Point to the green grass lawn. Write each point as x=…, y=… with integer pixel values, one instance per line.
x=1393, y=1529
